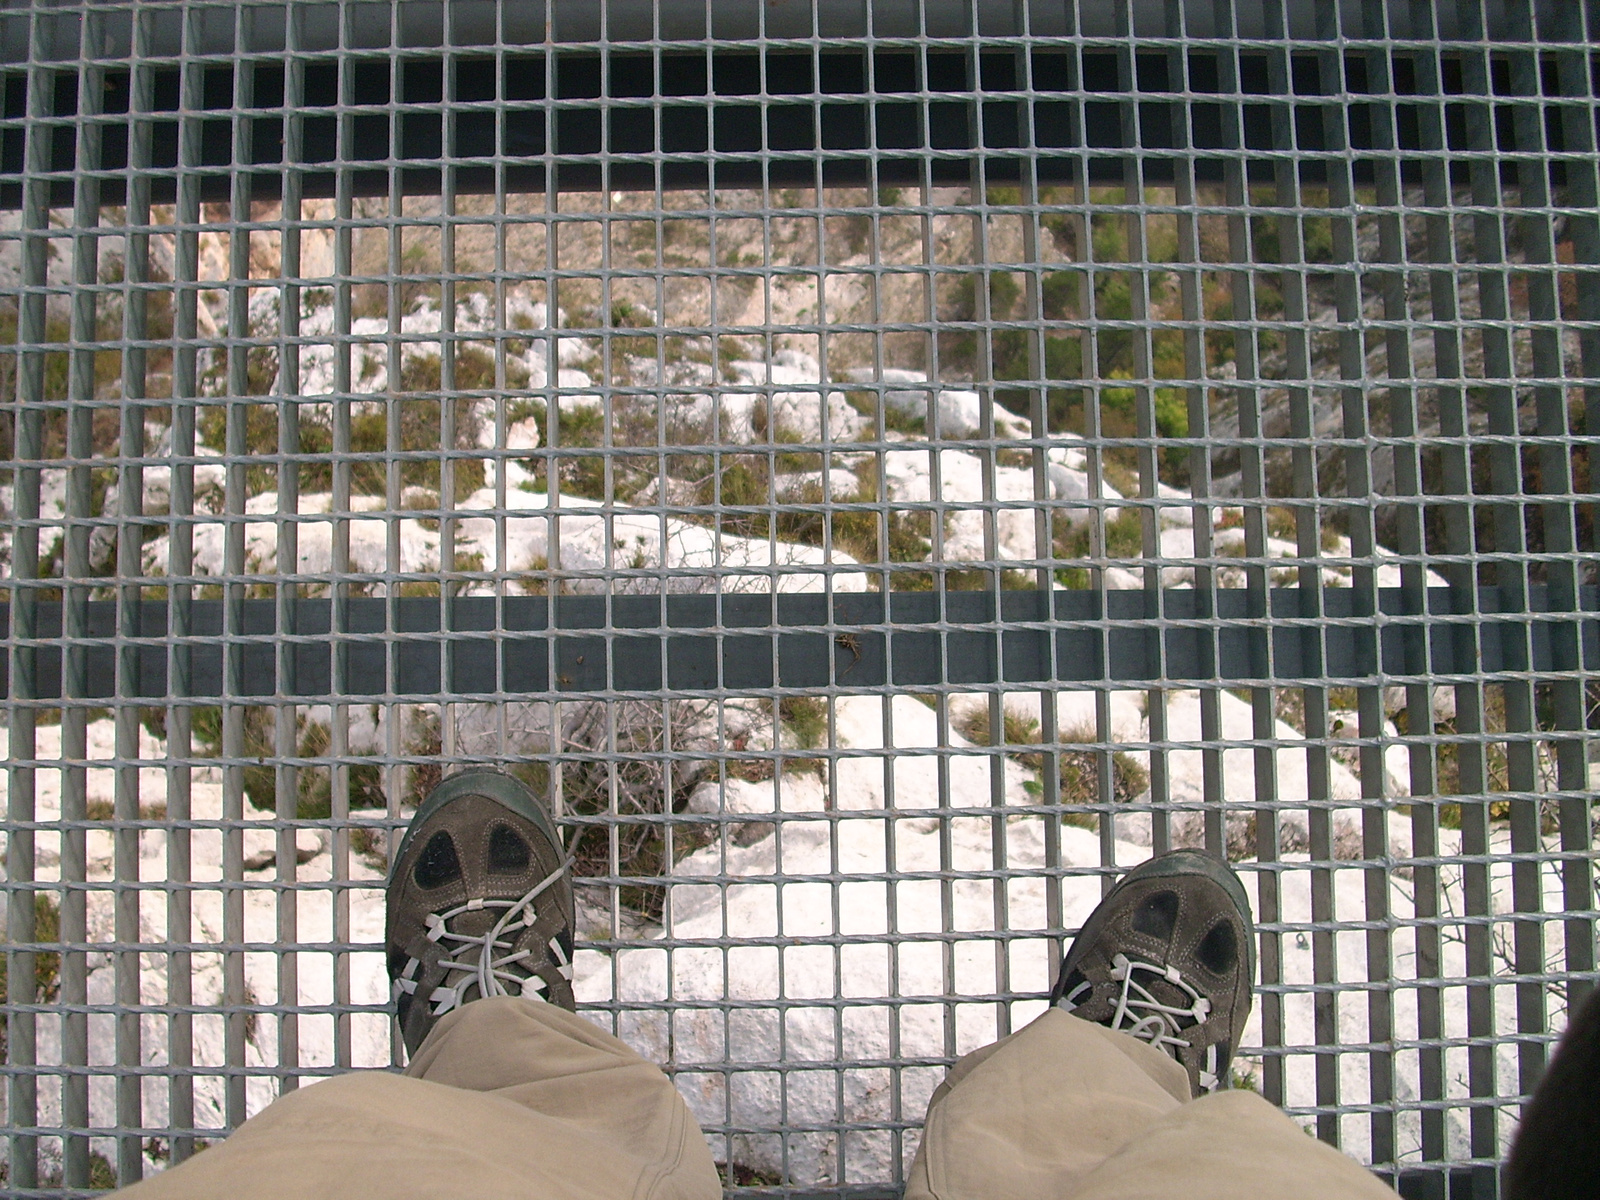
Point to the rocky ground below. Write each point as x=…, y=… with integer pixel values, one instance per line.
x=744, y=400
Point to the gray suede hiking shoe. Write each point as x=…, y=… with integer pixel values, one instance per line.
x=479, y=902
x=1168, y=957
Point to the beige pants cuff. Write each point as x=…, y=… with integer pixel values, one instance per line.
x=507, y=1098
x=1065, y=1110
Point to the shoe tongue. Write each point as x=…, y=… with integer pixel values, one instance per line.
x=1151, y=982
x=1173, y=997
x=472, y=924
x=475, y=922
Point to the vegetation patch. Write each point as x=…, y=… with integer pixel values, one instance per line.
x=621, y=783
x=1124, y=538
x=259, y=747
x=806, y=719
x=46, y=963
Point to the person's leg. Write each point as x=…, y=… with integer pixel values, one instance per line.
x=505, y=1096
x=1066, y=1110
x=508, y=1098
x=1031, y=1114
x=1093, y=1101
x=1230, y=1145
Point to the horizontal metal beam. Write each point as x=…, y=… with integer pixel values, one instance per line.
x=633, y=119
x=474, y=26
x=533, y=645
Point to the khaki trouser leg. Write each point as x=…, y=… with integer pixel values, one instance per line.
x=1065, y=1110
x=507, y=1098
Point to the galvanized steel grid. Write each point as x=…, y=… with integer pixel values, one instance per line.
x=1249, y=454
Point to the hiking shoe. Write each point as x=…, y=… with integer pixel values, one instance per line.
x=1168, y=957
x=479, y=903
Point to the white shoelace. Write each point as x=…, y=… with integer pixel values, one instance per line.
x=483, y=959
x=1139, y=1014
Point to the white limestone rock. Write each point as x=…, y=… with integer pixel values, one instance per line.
x=592, y=536
x=806, y=409
x=909, y=475
x=808, y=485
x=799, y=791
x=1076, y=712
x=523, y=435
x=774, y=1033
x=1186, y=782
x=957, y=412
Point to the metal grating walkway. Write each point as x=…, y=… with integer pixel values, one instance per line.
x=880, y=467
